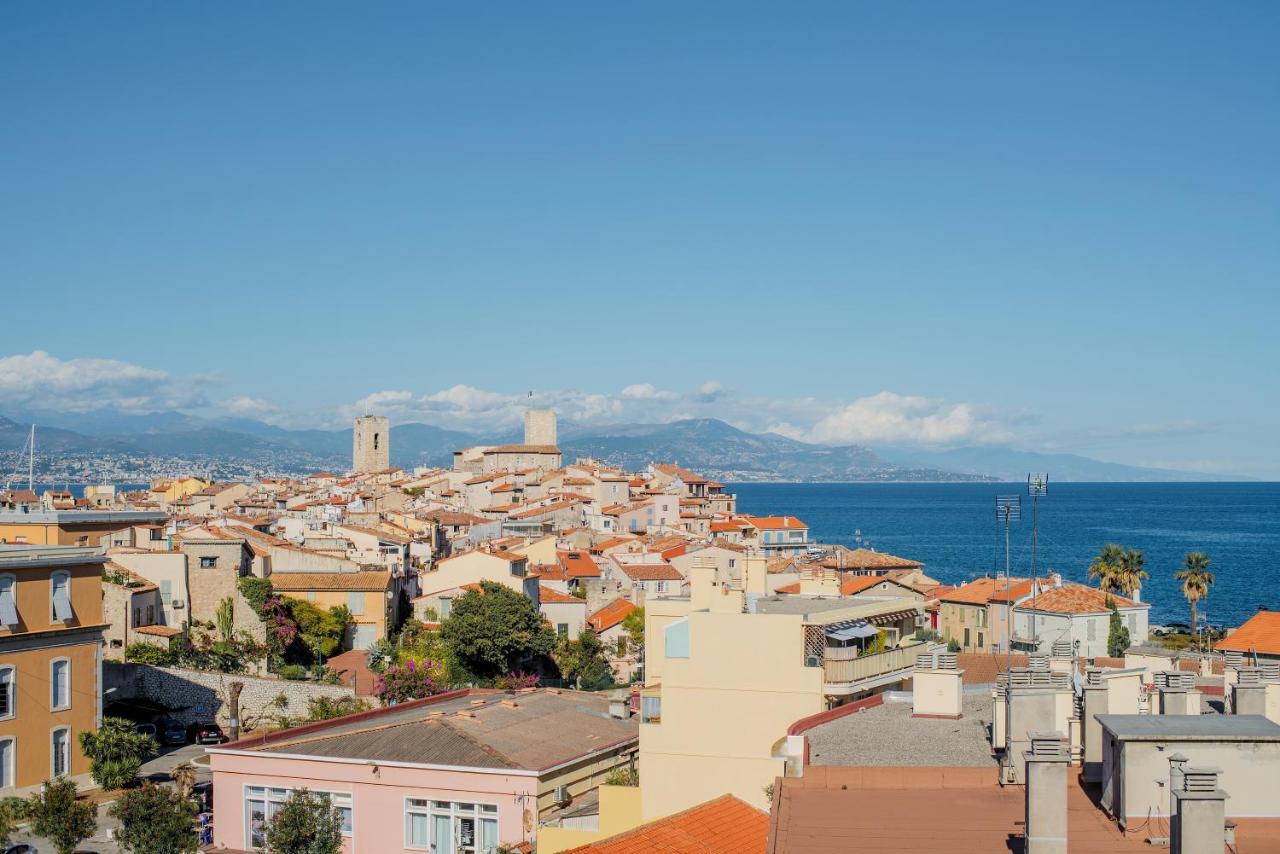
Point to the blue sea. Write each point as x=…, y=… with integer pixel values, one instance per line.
x=952, y=529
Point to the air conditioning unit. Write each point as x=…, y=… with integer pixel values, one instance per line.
x=178, y=603
x=813, y=661
x=562, y=795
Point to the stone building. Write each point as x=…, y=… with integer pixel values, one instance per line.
x=371, y=444
x=540, y=427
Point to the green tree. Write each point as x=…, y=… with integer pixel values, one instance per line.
x=1132, y=572
x=582, y=662
x=1105, y=567
x=1117, y=634
x=224, y=618
x=633, y=628
x=12, y=810
x=155, y=820
x=321, y=630
x=56, y=815
x=116, y=752
x=142, y=652
x=495, y=630
x=307, y=823
x=324, y=708
x=1196, y=580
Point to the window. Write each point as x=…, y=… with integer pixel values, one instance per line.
x=60, y=684
x=166, y=591
x=137, y=616
x=60, y=752
x=676, y=639
x=620, y=647
x=8, y=697
x=447, y=827
x=151, y=615
x=446, y=605
x=262, y=803
x=966, y=637
x=208, y=562
x=1092, y=626
x=8, y=602
x=662, y=587
x=980, y=639
x=355, y=603
x=60, y=584
x=562, y=629
x=8, y=747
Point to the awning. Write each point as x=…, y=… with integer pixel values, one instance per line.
x=894, y=617
x=848, y=631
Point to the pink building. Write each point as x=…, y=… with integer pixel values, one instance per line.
x=460, y=773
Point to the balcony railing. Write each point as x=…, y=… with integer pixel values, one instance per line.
x=841, y=665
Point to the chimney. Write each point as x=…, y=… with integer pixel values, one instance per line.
x=1198, y=823
x=1046, y=794
x=1249, y=698
x=1096, y=695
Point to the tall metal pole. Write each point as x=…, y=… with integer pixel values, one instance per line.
x=1037, y=485
x=31, y=462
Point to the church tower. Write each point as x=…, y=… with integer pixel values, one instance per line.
x=371, y=444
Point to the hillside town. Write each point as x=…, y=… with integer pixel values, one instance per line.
x=527, y=653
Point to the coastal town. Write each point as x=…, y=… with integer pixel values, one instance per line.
x=521, y=652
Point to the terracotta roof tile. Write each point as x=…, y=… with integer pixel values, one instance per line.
x=301, y=582
x=1077, y=599
x=1260, y=633
x=725, y=825
x=610, y=615
x=552, y=596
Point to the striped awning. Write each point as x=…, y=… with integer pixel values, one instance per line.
x=893, y=617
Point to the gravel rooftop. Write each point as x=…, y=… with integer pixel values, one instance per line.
x=888, y=735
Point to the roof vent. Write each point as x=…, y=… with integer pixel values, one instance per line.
x=1249, y=675
x=1270, y=671
x=1038, y=662
x=1160, y=679
x=1233, y=658
x=1200, y=779
x=1062, y=649
x=1093, y=675
x=946, y=661
x=1046, y=744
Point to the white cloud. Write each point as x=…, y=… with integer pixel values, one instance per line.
x=887, y=418
x=249, y=407
x=646, y=391
x=42, y=381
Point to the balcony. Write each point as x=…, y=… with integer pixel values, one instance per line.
x=846, y=672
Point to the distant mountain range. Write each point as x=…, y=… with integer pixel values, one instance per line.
x=706, y=445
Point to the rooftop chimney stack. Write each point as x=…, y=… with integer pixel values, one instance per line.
x=1198, y=823
x=1046, y=794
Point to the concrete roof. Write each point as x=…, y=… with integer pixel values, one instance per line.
x=1190, y=727
x=531, y=731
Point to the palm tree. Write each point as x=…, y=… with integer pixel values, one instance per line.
x=1196, y=580
x=1131, y=573
x=1106, y=567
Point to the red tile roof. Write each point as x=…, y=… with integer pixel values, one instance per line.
x=552, y=596
x=1260, y=633
x=775, y=523
x=859, y=583
x=725, y=825
x=979, y=591
x=1078, y=599
x=578, y=564
x=650, y=571
x=299, y=582
x=610, y=615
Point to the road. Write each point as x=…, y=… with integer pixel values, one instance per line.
x=157, y=771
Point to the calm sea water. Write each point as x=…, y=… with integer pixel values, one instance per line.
x=952, y=529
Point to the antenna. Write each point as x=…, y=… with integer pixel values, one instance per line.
x=1037, y=485
x=31, y=462
x=1008, y=510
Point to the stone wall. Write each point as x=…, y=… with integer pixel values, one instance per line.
x=198, y=695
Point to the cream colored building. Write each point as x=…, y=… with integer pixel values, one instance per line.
x=727, y=671
x=370, y=444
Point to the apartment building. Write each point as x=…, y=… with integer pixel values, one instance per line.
x=50, y=660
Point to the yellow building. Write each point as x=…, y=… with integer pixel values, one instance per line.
x=370, y=596
x=168, y=491
x=69, y=527
x=729, y=669
x=50, y=660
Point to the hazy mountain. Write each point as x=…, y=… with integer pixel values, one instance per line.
x=1013, y=465
x=706, y=445
x=716, y=449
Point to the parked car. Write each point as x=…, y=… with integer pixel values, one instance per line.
x=207, y=733
x=145, y=729
x=21, y=848
x=173, y=732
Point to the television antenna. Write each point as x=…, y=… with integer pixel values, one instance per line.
x=1008, y=511
x=1037, y=485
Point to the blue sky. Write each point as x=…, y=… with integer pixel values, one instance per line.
x=1053, y=227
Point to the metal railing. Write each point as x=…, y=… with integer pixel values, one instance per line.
x=838, y=668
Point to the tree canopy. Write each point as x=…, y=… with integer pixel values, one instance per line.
x=495, y=630
x=56, y=815
x=307, y=823
x=155, y=820
x=116, y=752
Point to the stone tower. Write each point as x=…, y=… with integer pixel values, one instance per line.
x=371, y=444
x=540, y=427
